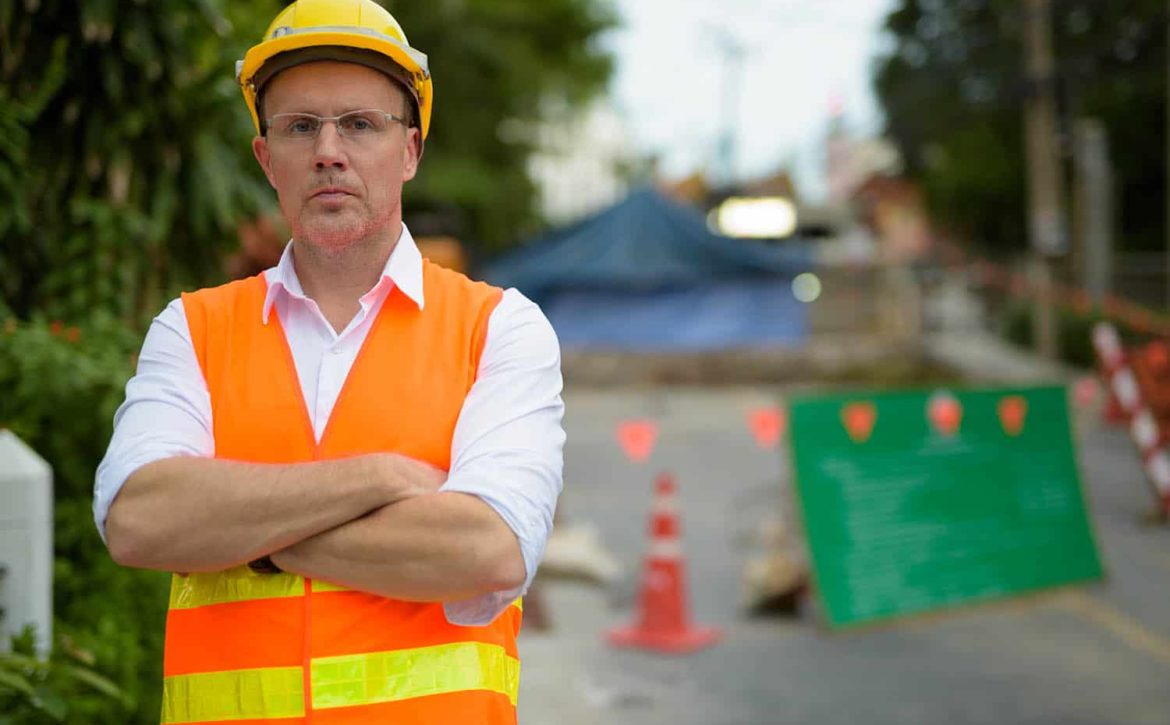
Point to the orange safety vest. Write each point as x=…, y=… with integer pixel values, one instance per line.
x=246, y=648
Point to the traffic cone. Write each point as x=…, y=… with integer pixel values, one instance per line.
x=663, y=622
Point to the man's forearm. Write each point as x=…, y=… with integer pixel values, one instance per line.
x=437, y=547
x=199, y=514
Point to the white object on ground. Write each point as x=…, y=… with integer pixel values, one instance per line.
x=574, y=551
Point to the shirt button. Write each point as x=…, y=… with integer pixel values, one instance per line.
x=336, y=350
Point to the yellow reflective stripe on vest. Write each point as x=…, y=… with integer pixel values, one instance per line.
x=237, y=695
x=323, y=586
x=368, y=679
x=346, y=681
x=240, y=584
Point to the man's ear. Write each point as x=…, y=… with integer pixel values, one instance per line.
x=262, y=154
x=412, y=152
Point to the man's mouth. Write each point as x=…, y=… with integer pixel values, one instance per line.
x=330, y=193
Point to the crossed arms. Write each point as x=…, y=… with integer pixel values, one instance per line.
x=380, y=523
x=376, y=523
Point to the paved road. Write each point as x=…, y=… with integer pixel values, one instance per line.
x=1097, y=656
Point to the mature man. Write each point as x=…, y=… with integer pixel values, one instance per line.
x=353, y=458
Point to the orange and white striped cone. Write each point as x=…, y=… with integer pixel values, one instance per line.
x=663, y=622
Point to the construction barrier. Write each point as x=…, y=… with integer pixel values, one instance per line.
x=918, y=501
x=1139, y=381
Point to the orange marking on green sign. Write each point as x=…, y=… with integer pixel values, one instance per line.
x=859, y=420
x=945, y=413
x=1013, y=410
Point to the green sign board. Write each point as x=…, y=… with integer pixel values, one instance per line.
x=919, y=501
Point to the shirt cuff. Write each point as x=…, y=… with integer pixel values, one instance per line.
x=531, y=530
x=482, y=610
x=112, y=477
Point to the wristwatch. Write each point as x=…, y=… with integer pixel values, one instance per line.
x=264, y=565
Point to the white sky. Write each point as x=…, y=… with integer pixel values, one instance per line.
x=800, y=55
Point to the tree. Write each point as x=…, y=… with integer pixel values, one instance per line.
x=952, y=88
x=496, y=65
x=124, y=143
x=124, y=155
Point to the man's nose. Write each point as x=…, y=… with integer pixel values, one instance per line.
x=329, y=149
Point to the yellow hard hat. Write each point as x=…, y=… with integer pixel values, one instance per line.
x=355, y=31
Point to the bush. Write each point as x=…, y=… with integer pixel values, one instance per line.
x=61, y=689
x=62, y=384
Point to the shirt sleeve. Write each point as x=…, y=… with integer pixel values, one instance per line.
x=508, y=443
x=166, y=413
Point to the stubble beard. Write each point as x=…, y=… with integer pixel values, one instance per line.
x=335, y=231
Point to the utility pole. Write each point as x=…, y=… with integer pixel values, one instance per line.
x=1094, y=208
x=732, y=51
x=1047, y=231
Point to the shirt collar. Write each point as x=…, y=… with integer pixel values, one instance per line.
x=403, y=269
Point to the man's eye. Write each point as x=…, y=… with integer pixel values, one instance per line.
x=300, y=126
x=358, y=123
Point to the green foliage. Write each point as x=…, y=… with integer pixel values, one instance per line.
x=498, y=65
x=125, y=156
x=125, y=145
x=953, y=86
x=63, y=689
x=62, y=385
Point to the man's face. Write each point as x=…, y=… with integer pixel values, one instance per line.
x=335, y=191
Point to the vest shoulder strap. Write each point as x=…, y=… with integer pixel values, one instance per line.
x=211, y=310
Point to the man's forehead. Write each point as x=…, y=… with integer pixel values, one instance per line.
x=328, y=81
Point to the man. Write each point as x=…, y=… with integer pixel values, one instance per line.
x=353, y=458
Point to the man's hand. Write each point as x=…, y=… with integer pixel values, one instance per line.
x=425, y=477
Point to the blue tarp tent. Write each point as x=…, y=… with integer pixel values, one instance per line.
x=647, y=274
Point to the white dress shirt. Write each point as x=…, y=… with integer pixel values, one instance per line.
x=508, y=441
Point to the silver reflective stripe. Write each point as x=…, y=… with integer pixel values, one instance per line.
x=418, y=57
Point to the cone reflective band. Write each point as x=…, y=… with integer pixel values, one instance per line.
x=665, y=536
x=663, y=621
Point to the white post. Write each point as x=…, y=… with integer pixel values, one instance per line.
x=1046, y=225
x=26, y=543
x=1095, y=207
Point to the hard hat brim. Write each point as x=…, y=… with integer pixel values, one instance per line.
x=414, y=63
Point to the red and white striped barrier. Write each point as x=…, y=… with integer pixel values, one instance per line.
x=1143, y=427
